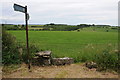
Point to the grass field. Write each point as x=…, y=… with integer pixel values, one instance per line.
x=81, y=46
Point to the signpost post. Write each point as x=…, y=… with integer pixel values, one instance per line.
x=24, y=10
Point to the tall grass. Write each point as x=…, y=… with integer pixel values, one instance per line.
x=82, y=46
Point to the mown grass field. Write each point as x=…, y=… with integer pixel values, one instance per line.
x=81, y=46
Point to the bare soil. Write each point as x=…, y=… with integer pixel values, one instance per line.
x=66, y=71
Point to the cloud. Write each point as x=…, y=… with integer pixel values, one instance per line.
x=64, y=11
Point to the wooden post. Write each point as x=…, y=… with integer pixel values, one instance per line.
x=27, y=44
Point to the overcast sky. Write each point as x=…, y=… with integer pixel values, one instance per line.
x=62, y=11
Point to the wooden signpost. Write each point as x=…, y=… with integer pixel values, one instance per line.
x=24, y=10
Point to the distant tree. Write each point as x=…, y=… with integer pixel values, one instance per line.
x=15, y=25
x=83, y=25
x=93, y=24
x=2, y=24
x=23, y=25
x=78, y=30
x=107, y=30
x=52, y=24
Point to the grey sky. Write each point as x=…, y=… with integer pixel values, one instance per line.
x=62, y=11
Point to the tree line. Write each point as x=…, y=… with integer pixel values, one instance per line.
x=53, y=27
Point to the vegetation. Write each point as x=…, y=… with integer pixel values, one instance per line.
x=107, y=60
x=10, y=54
x=13, y=27
x=32, y=50
x=57, y=27
x=87, y=45
x=82, y=42
x=10, y=50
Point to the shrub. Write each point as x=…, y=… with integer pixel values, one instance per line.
x=32, y=50
x=10, y=52
x=107, y=60
x=9, y=49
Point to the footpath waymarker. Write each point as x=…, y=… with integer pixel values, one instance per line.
x=19, y=8
x=24, y=10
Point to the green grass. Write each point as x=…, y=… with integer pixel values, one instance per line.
x=81, y=45
x=99, y=29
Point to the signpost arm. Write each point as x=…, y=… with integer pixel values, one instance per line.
x=27, y=46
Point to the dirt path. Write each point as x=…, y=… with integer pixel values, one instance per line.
x=67, y=71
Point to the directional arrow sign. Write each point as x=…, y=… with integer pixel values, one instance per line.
x=28, y=17
x=19, y=8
